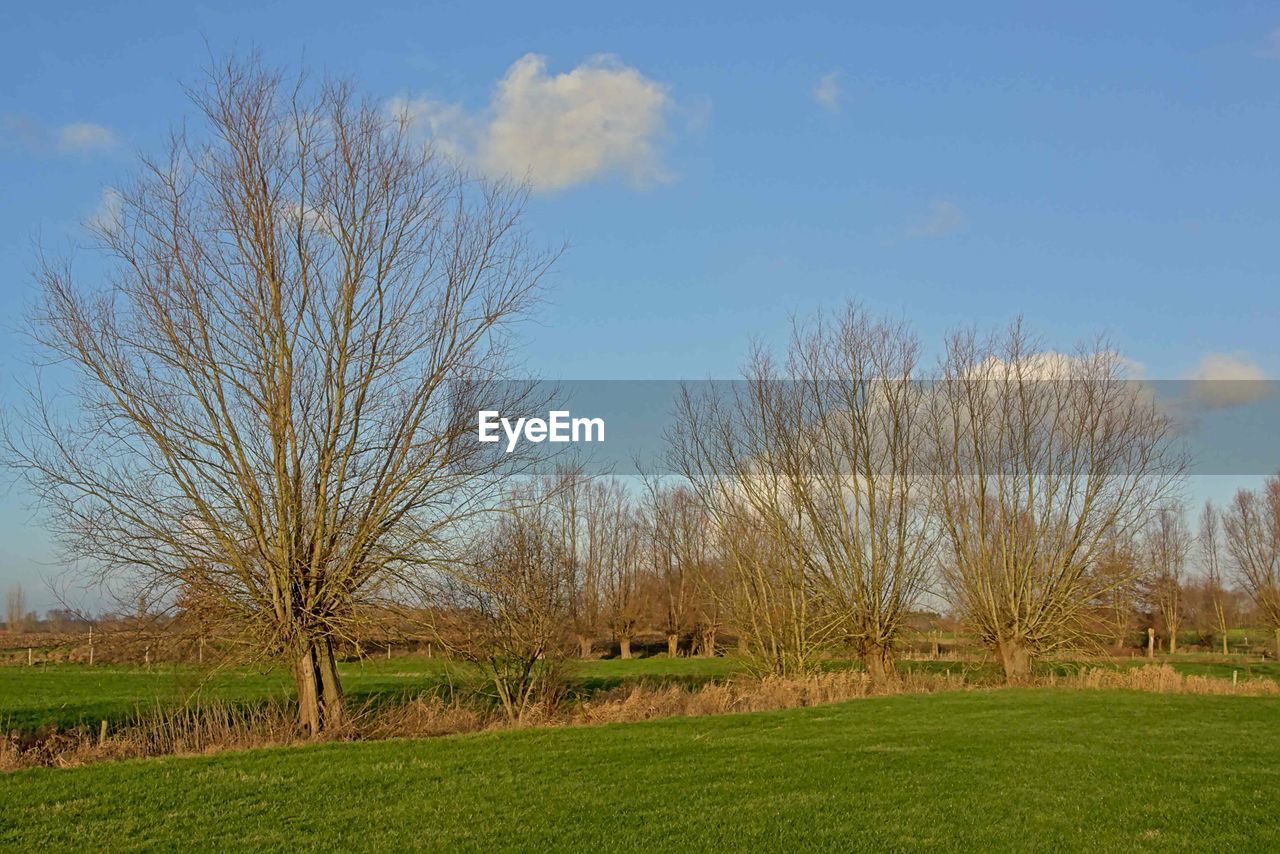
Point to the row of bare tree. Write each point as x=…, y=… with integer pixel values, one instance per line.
x=257, y=411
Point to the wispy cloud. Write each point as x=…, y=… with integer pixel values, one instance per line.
x=25, y=133
x=1224, y=380
x=558, y=130
x=943, y=218
x=829, y=93
x=106, y=217
x=85, y=138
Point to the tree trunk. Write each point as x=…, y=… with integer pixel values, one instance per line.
x=1151, y=644
x=1016, y=660
x=304, y=677
x=584, y=646
x=624, y=646
x=319, y=689
x=709, y=643
x=673, y=646
x=878, y=660
x=1173, y=641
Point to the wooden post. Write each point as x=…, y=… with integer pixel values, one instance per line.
x=91, y=646
x=1235, y=675
x=200, y=653
x=1151, y=644
x=388, y=650
x=146, y=657
x=30, y=657
x=102, y=733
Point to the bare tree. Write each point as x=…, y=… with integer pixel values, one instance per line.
x=1166, y=543
x=617, y=548
x=1117, y=572
x=506, y=606
x=822, y=456
x=15, y=609
x=1209, y=541
x=1252, y=531
x=571, y=508
x=1043, y=459
x=273, y=378
x=680, y=549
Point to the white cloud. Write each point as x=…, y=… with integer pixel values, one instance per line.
x=558, y=130
x=107, y=215
x=22, y=132
x=85, y=137
x=829, y=92
x=944, y=217
x=1228, y=379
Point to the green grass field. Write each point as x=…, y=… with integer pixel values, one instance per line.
x=71, y=694
x=1028, y=769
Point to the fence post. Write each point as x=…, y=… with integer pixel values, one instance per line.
x=102, y=733
x=30, y=654
x=91, y=646
x=388, y=650
x=1235, y=675
x=1151, y=644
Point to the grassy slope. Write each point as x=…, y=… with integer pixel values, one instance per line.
x=1022, y=769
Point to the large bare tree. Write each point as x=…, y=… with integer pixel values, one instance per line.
x=823, y=456
x=1251, y=525
x=1043, y=461
x=271, y=376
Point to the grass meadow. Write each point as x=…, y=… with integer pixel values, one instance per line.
x=1008, y=769
x=67, y=695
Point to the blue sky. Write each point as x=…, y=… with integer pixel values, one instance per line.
x=1097, y=168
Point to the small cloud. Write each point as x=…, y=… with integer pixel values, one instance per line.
x=1223, y=380
x=829, y=92
x=558, y=130
x=85, y=138
x=26, y=134
x=944, y=218
x=107, y=216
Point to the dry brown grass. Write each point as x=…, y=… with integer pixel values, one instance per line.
x=219, y=726
x=207, y=728
x=1163, y=679
x=748, y=695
